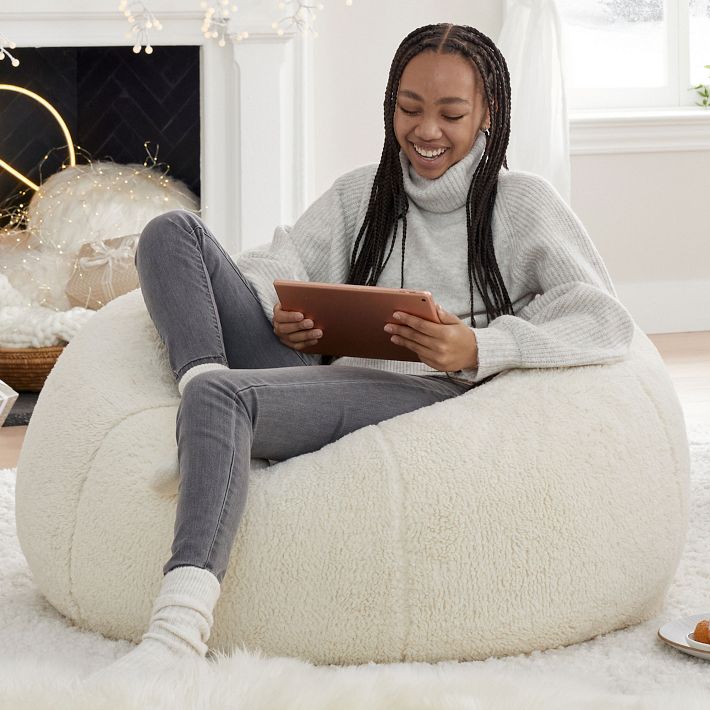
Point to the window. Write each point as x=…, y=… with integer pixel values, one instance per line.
x=634, y=53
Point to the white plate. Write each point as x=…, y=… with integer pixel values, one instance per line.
x=675, y=633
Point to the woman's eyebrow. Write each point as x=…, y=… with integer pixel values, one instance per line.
x=445, y=100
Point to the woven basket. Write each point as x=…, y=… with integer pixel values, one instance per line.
x=26, y=369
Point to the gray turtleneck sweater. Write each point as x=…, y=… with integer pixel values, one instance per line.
x=566, y=309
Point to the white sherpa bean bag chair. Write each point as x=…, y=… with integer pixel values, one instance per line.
x=540, y=509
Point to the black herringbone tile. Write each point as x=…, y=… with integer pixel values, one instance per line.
x=112, y=101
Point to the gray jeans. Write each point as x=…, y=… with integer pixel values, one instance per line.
x=273, y=403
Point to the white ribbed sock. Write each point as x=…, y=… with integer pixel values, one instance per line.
x=196, y=370
x=180, y=624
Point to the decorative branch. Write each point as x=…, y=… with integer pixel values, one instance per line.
x=141, y=20
x=302, y=18
x=4, y=44
x=215, y=24
x=300, y=15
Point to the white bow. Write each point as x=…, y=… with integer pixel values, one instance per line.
x=105, y=255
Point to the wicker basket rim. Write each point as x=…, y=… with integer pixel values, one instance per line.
x=45, y=349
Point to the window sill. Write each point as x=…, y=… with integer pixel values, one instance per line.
x=639, y=130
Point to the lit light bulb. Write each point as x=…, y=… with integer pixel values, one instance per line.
x=136, y=48
x=149, y=50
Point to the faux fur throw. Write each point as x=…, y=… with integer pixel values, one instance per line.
x=23, y=326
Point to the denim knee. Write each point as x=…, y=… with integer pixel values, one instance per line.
x=203, y=387
x=164, y=228
x=168, y=225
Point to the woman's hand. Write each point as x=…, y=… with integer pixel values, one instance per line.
x=292, y=330
x=447, y=346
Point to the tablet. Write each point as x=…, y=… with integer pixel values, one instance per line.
x=353, y=318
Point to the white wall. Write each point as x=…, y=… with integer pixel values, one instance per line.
x=649, y=216
x=647, y=213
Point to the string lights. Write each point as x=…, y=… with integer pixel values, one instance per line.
x=44, y=230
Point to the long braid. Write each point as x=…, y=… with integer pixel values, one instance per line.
x=388, y=202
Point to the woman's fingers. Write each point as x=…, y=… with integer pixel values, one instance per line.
x=305, y=336
x=291, y=323
x=285, y=328
x=401, y=333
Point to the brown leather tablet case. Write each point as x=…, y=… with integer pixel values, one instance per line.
x=353, y=318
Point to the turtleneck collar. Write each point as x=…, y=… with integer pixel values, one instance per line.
x=447, y=192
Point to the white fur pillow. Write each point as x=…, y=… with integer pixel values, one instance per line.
x=81, y=204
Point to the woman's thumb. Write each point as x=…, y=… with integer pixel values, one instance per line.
x=445, y=316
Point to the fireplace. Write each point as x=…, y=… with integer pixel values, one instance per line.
x=239, y=139
x=112, y=100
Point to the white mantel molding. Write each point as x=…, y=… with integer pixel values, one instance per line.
x=255, y=99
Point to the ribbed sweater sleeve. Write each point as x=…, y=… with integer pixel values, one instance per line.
x=575, y=317
x=317, y=247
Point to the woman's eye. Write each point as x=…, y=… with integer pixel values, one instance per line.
x=404, y=110
x=453, y=118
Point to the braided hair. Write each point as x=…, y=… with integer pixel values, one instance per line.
x=388, y=202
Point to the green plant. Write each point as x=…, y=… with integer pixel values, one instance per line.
x=703, y=92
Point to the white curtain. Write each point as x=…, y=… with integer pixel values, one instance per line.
x=531, y=42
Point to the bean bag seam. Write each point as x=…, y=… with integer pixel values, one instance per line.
x=79, y=614
x=397, y=488
x=671, y=449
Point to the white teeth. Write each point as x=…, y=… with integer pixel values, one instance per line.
x=428, y=153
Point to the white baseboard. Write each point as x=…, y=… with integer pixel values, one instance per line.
x=667, y=306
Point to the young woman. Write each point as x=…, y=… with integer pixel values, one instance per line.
x=518, y=282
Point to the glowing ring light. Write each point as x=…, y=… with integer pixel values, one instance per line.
x=60, y=121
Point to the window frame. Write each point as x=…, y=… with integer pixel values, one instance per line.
x=675, y=94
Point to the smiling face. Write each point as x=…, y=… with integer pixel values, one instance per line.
x=440, y=109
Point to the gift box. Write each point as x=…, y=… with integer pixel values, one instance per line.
x=104, y=269
x=8, y=397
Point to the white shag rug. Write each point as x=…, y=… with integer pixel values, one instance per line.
x=43, y=657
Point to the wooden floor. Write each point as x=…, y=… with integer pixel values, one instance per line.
x=687, y=356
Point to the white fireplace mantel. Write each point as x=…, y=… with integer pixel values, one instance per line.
x=255, y=103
